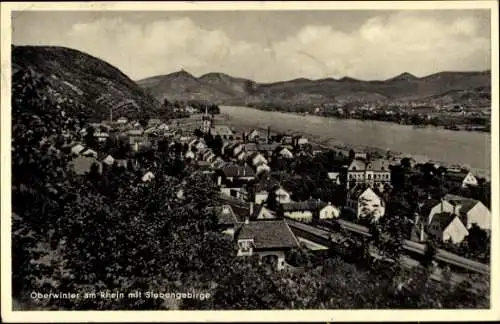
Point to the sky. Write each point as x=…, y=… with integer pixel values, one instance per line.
x=268, y=46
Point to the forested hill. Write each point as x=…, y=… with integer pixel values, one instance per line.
x=91, y=85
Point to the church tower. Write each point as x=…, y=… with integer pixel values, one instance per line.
x=206, y=122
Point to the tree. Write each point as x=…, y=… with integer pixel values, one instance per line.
x=90, y=139
x=198, y=133
x=430, y=252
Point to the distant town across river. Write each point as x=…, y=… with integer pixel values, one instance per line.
x=470, y=149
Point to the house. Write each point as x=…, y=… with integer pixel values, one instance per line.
x=286, y=153
x=470, y=211
x=107, y=159
x=365, y=203
x=266, y=238
x=253, y=135
x=153, y=122
x=256, y=159
x=257, y=212
x=283, y=196
x=329, y=212
x=262, y=168
x=447, y=227
x=209, y=156
x=77, y=149
x=260, y=190
x=300, y=140
x=191, y=110
x=335, y=177
x=301, y=211
x=287, y=140
x=226, y=219
x=360, y=155
x=148, y=176
x=163, y=127
x=122, y=120
x=236, y=149
x=199, y=144
x=101, y=136
x=218, y=163
x=461, y=178
x=82, y=165
x=242, y=156
x=189, y=155
x=232, y=178
x=374, y=173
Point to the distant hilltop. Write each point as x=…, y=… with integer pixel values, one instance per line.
x=225, y=89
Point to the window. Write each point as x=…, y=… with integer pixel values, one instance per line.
x=369, y=177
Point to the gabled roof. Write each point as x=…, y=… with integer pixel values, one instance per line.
x=357, y=165
x=77, y=149
x=225, y=215
x=359, y=189
x=443, y=219
x=269, y=234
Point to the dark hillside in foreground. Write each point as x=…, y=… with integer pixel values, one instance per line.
x=88, y=82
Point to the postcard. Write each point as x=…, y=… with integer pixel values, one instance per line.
x=253, y=161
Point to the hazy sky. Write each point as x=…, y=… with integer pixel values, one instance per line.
x=269, y=45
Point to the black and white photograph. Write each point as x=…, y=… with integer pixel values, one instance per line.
x=265, y=157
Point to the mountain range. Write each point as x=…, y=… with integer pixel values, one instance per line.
x=225, y=89
x=100, y=87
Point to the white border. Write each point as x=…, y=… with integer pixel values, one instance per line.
x=244, y=316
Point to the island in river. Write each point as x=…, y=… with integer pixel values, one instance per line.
x=469, y=149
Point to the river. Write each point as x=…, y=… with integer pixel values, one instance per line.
x=470, y=149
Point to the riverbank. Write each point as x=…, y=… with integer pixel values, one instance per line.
x=423, y=144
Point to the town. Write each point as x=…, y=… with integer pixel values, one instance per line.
x=309, y=160
x=269, y=181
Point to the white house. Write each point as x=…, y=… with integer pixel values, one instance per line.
x=301, y=141
x=329, y=212
x=464, y=179
x=283, y=196
x=365, y=203
x=286, y=153
x=254, y=134
x=262, y=168
x=189, y=155
x=77, y=149
x=471, y=211
x=447, y=227
x=148, y=176
x=260, y=212
x=334, y=177
x=376, y=172
x=257, y=159
x=122, y=120
x=266, y=238
x=109, y=160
